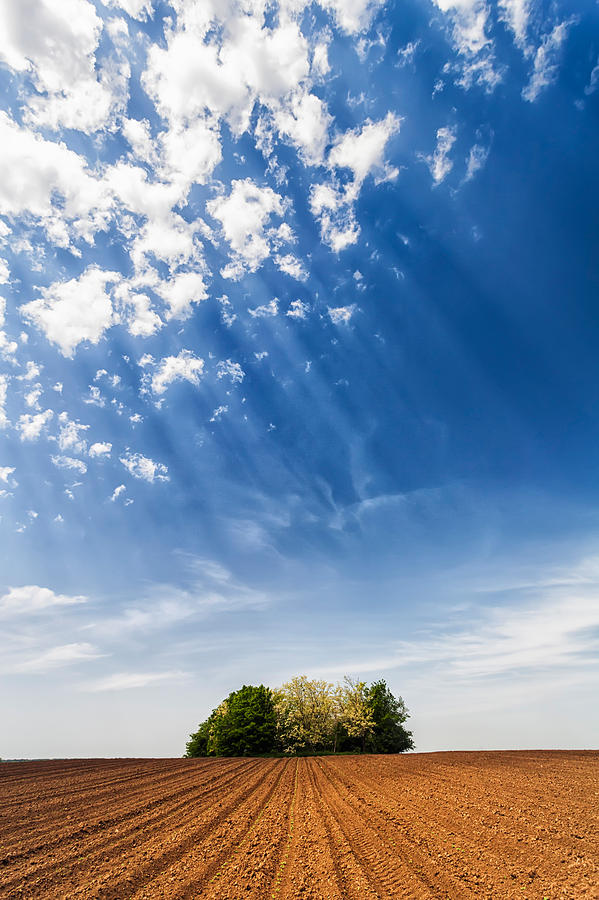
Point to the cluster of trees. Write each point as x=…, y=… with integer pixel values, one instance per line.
x=305, y=716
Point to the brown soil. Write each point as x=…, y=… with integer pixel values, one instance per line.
x=459, y=826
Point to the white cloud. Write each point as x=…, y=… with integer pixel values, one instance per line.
x=69, y=462
x=69, y=437
x=218, y=413
x=593, y=80
x=137, y=9
x=31, y=426
x=71, y=312
x=405, y=55
x=189, y=154
x=243, y=62
x=298, y=309
x=476, y=64
x=244, y=216
x=476, y=160
x=341, y=315
x=362, y=149
x=117, y=492
x=137, y=312
x=439, y=163
x=306, y=122
x=546, y=61
x=334, y=210
x=55, y=43
x=94, y=397
x=353, y=16
x=292, y=266
x=59, y=656
x=144, y=468
x=183, y=367
x=32, y=371
x=31, y=598
x=180, y=292
x=550, y=633
x=100, y=448
x=229, y=369
x=3, y=394
x=42, y=171
x=32, y=397
x=516, y=13
x=124, y=681
x=266, y=310
x=5, y=473
x=227, y=314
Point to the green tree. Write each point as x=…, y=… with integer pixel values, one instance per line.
x=197, y=745
x=388, y=715
x=242, y=725
x=305, y=715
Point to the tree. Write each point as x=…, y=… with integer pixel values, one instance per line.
x=388, y=715
x=243, y=725
x=307, y=713
x=357, y=716
x=197, y=745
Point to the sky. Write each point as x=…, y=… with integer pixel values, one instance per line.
x=298, y=365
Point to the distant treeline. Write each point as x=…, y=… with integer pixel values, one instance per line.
x=305, y=716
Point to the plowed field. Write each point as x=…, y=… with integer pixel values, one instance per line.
x=439, y=825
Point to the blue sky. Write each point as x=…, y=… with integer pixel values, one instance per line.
x=298, y=367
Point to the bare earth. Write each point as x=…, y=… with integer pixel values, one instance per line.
x=439, y=825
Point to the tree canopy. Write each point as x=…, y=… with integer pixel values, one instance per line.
x=305, y=716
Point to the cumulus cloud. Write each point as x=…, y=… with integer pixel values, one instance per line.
x=3, y=394
x=137, y=313
x=298, y=309
x=244, y=216
x=74, y=311
x=120, y=489
x=183, y=367
x=100, y=448
x=305, y=121
x=362, y=152
x=5, y=473
x=353, y=16
x=266, y=310
x=341, y=315
x=30, y=427
x=43, y=171
x=144, y=468
x=292, y=266
x=137, y=9
x=181, y=292
x=69, y=436
x=59, y=54
x=30, y=599
x=232, y=370
x=69, y=462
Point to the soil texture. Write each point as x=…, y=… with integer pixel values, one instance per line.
x=456, y=826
